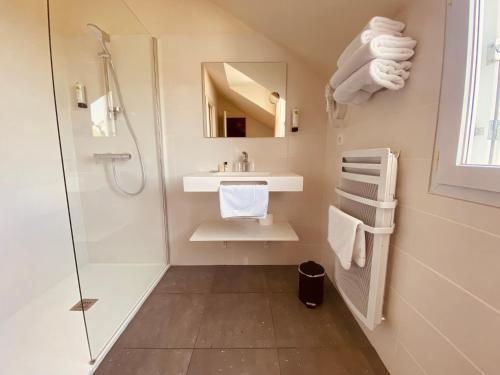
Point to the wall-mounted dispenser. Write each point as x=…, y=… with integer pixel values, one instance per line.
x=295, y=120
x=80, y=95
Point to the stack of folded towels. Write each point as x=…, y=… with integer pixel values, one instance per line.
x=375, y=59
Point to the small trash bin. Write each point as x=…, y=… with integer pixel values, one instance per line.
x=311, y=278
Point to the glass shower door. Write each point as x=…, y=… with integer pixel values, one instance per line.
x=104, y=67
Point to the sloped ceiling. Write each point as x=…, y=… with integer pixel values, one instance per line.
x=71, y=17
x=163, y=17
x=315, y=30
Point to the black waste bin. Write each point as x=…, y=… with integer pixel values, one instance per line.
x=311, y=278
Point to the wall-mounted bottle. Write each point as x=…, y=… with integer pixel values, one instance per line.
x=80, y=95
x=295, y=120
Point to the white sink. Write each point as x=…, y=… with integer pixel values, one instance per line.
x=240, y=174
x=210, y=181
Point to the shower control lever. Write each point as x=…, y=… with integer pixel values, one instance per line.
x=111, y=156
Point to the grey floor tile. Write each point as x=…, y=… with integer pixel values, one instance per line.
x=237, y=321
x=328, y=286
x=146, y=362
x=297, y=326
x=282, y=278
x=234, y=362
x=186, y=279
x=347, y=325
x=328, y=361
x=166, y=321
x=239, y=279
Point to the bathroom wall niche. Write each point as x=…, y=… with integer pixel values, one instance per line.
x=244, y=99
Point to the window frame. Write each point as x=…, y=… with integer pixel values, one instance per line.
x=451, y=176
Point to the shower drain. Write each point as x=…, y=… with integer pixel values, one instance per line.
x=84, y=304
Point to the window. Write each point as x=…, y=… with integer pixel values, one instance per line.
x=467, y=155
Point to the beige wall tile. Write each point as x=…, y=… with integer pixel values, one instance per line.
x=471, y=325
x=405, y=363
x=430, y=349
x=467, y=256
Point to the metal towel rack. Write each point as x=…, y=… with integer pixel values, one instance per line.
x=366, y=191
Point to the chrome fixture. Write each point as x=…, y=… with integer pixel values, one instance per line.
x=245, y=165
x=108, y=66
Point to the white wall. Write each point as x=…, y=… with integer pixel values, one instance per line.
x=188, y=151
x=443, y=300
x=35, y=243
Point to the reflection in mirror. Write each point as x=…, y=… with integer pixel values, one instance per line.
x=244, y=99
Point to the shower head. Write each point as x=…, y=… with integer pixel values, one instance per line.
x=99, y=33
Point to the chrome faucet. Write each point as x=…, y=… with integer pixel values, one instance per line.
x=244, y=163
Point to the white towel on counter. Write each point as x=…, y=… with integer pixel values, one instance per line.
x=364, y=37
x=372, y=77
x=346, y=237
x=384, y=23
x=385, y=47
x=243, y=201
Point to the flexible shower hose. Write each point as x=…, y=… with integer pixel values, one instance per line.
x=132, y=134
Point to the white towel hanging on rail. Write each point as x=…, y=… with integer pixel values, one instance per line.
x=346, y=237
x=243, y=201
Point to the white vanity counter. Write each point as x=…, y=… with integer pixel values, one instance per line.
x=210, y=181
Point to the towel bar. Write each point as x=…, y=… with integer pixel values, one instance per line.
x=374, y=180
x=369, y=202
x=243, y=183
x=373, y=230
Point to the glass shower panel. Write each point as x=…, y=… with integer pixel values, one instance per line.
x=104, y=66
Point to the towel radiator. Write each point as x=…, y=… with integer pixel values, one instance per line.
x=366, y=191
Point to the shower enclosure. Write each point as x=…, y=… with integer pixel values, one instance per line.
x=105, y=83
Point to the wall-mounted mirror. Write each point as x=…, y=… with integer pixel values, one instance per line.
x=244, y=99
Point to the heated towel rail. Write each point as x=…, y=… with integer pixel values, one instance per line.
x=366, y=191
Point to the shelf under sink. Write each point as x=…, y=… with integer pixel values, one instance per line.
x=243, y=230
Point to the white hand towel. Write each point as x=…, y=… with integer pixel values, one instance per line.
x=372, y=77
x=384, y=23
x=346, y=237
x=364, y=37
x=385, y=47
x=245, y=201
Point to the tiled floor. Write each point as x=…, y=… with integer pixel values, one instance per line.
x=235, y=320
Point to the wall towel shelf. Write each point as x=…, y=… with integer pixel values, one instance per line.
x=366, y=191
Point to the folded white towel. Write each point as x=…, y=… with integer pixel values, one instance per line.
x=346, y=237
x=384, y=23
x=246, y=201
x=386, y=47
x=372, y=77
x=364, y=37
